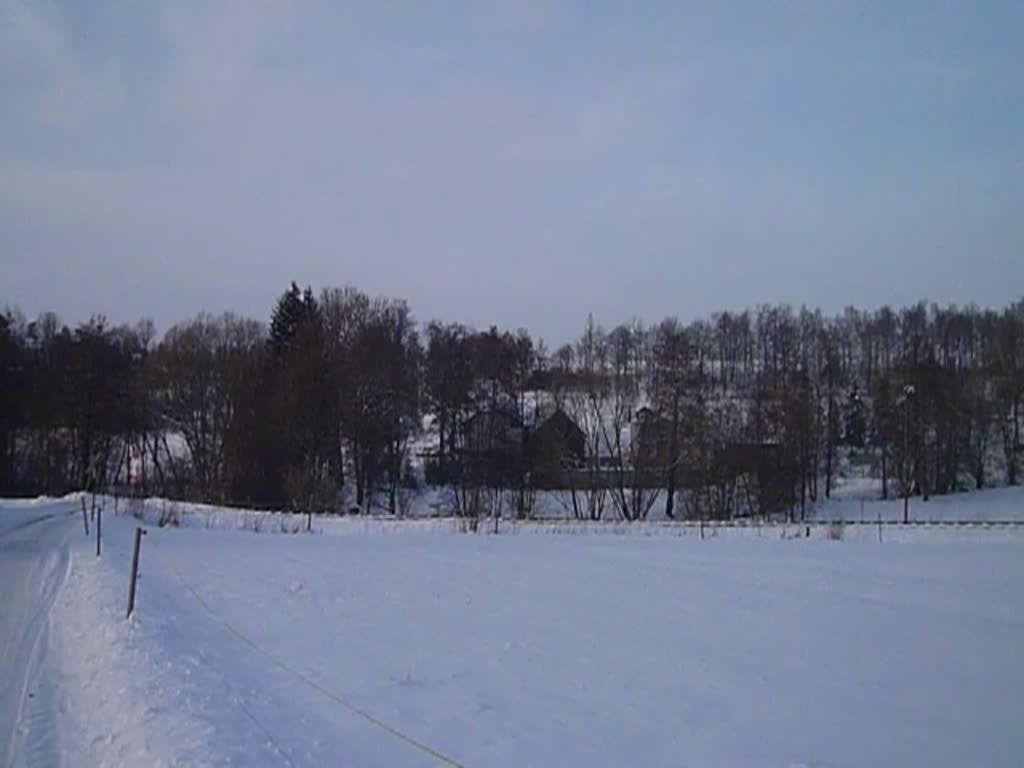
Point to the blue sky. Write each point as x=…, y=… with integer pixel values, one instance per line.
x=521, y=164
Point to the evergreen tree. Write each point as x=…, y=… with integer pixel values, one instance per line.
x=295, y=311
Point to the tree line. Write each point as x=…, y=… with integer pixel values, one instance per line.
x=752, y=412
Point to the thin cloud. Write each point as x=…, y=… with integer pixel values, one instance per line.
x=521, y=165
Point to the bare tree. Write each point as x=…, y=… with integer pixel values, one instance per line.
x=632, y=492
x=198, y=369
x=672, y=378
x=378, y=354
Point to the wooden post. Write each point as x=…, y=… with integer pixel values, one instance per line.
x=139, y=533
x=309, y=521
x=99, y=529
x=879, y=526
x=702, y=527
x=85, y=517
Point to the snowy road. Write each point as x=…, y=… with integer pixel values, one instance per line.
x=34, y=561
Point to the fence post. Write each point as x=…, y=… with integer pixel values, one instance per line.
x=309, y=521
x=879, y=526
x=139, y=533
x=99, y=529
x=85, y=517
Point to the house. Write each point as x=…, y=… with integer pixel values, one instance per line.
x=490, y=448
x=492, y=431
x=555, y=445
x=558, y=433
x=763, y=461
x=497, y=447
x=652, y=445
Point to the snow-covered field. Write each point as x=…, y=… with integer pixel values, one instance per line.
x=992, y=504
x=373, y=650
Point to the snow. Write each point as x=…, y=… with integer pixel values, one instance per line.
x=19, y=513
x=993, y=504
x=517, y=650
x=34, y=563
x=996, y=506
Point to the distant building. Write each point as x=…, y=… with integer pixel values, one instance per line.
x=492, y=431
x=549, y=452
x=497, y=447
x=651, y=441
x=764, y=462
x=554, y=447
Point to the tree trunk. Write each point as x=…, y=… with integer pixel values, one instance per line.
x=1011, y=459
x=885, y=473
x=359, y=470
x=828, y=472
x=442, y=443
x=803, y=493
x=829, y=442
x=670, y=485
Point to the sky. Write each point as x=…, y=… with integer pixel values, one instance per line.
x=521, y=164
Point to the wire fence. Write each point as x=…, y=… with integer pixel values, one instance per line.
x=441, y=758
x=789, y=529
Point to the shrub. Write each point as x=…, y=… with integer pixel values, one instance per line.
x=292, y=527
x=836, y=531
x=252, y=522
x=410, y=480
x=170, y=515
x=137, y=508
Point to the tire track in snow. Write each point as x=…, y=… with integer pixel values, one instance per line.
x=35, y=570
x=26, y=524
